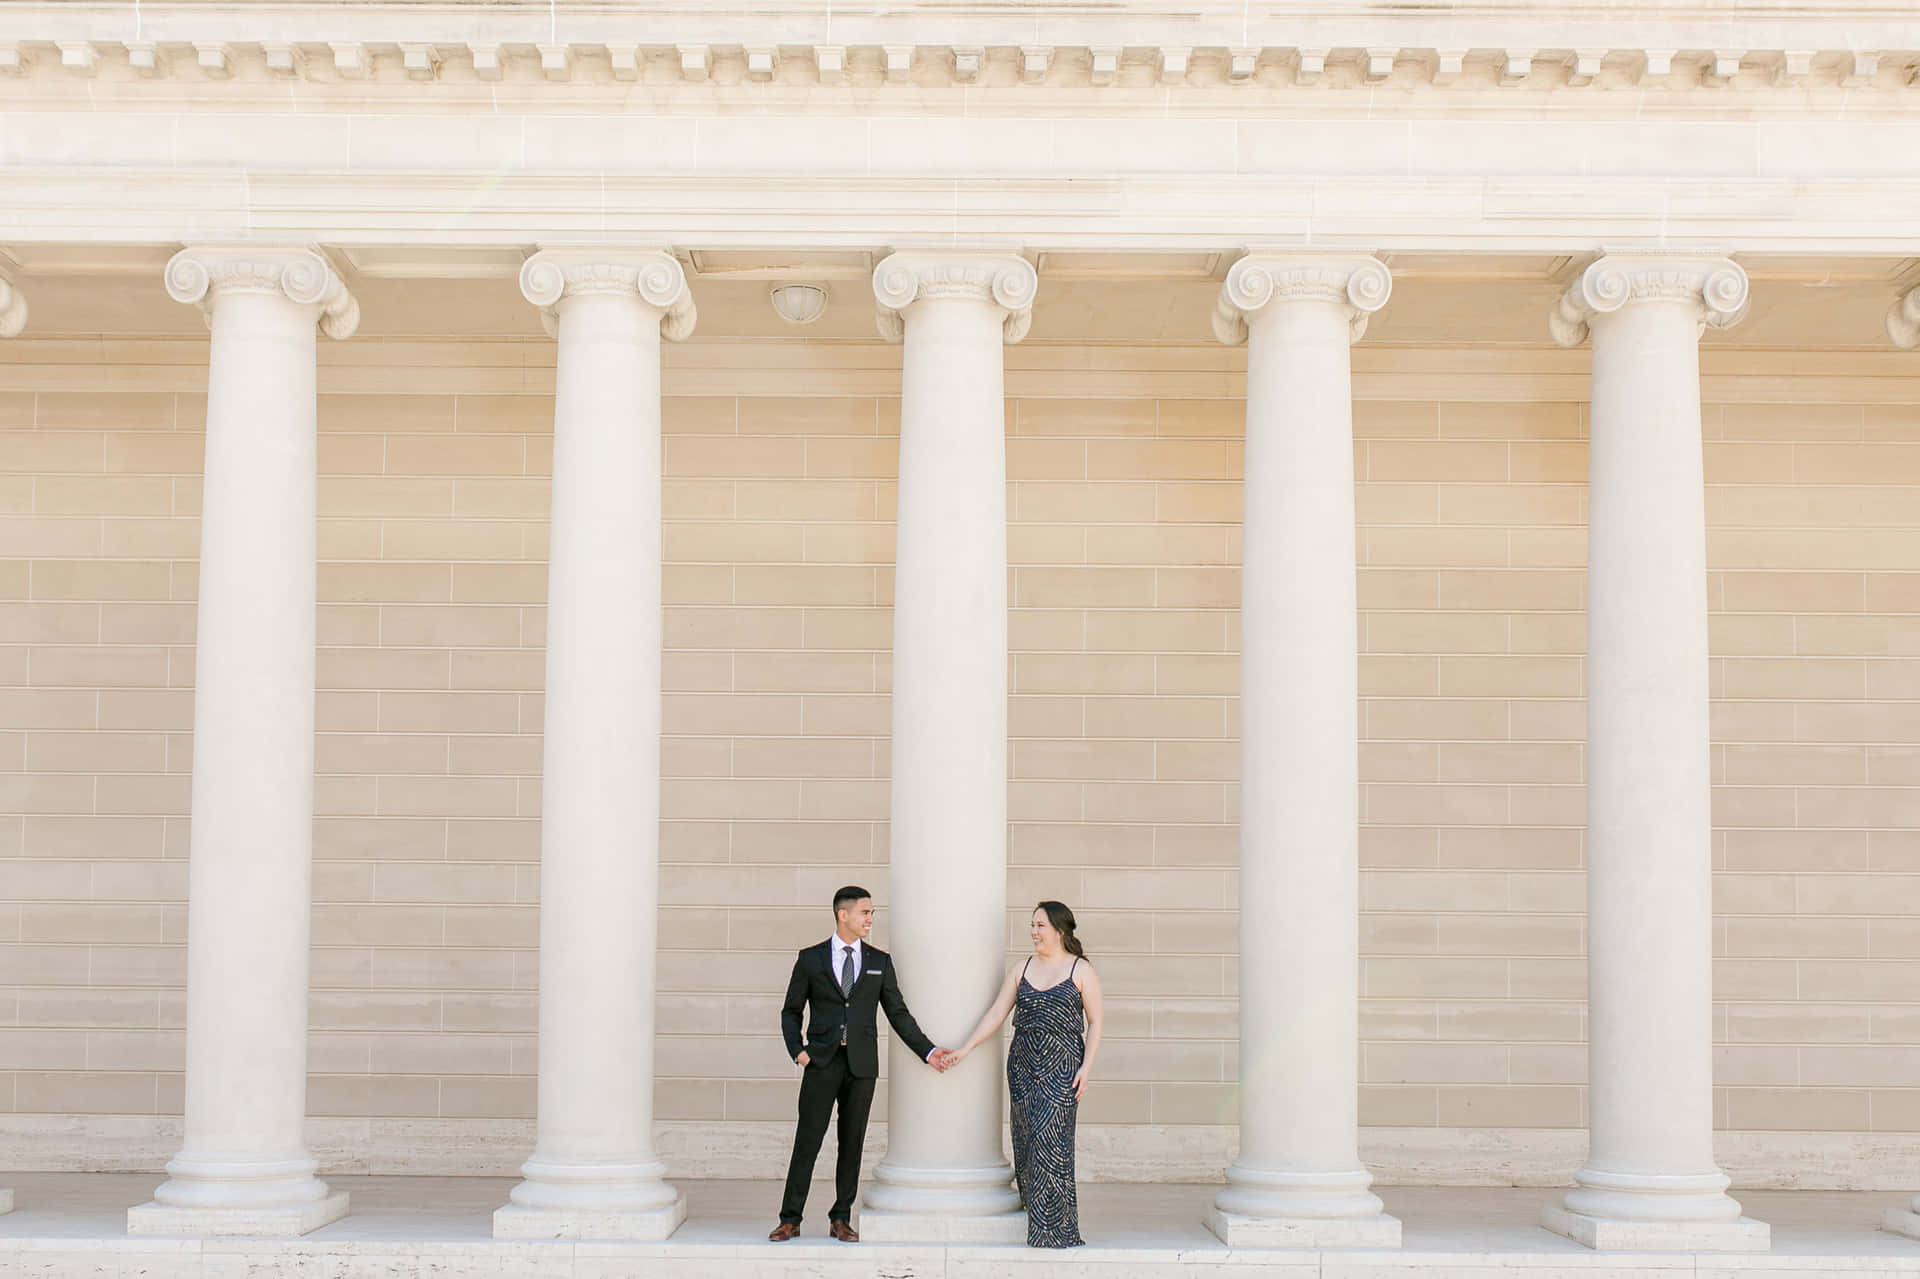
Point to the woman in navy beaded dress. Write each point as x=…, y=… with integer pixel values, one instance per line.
x=1054, y=996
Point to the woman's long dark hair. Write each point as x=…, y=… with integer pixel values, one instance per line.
x=1062, y=920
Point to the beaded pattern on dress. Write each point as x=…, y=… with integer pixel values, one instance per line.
x=1046, y=1054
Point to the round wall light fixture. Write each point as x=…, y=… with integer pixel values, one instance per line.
x=799, y=303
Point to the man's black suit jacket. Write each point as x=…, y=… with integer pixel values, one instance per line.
x=815, y=983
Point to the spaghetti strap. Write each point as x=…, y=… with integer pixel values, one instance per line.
x=1025, y=966
x=1075, y=964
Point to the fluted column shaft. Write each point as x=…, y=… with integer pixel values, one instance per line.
x=1903, y=326
x=1650, y=1178
x=944, y=1175
x=244, y=1166
x=13, y=318
x=593, y=1172
x=1298, y=1179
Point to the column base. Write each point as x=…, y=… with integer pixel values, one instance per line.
x=1237, y=1230
x=564, y=1198
x=278, y=1221
x=883, y=1226
x=514, y=1222
x=1902, y=1222
x=968, y=1204
x=1608, y=1234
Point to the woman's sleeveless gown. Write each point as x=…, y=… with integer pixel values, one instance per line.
x=1046, y=1054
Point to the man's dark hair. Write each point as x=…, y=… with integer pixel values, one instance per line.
x=848, y=896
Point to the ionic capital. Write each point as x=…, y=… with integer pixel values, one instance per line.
x=1715, y=287
x=1903, y=320
x=553, y=277
x=13, y=308
x=201, y=275
x=1006, y=280
x=1359, y=282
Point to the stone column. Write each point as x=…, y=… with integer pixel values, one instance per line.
x=244, y=1166
x=1299, y=1181
x=1649, y=1181
x=593, y=1173
x=13, y=318
x=1903, y=326
x=945, y=1176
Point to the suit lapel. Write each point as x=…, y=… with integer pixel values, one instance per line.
x=873, y=962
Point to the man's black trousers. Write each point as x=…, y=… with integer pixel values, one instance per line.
x=822, y=1087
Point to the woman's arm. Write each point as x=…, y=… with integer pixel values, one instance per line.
x=990, y=1021
x=1090, y=999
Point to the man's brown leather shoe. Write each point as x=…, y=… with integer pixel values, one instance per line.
x=844, y=1232
x=783, y=1232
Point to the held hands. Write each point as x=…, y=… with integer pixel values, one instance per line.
x=942, y=1060
x=945, y=1059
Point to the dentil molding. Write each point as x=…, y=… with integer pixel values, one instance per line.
x=552, y=276
x=938, y=43
x=1716, y=286
x=201, y=274
x=1359, y=282
x=1006, y=280
x=1328, y=66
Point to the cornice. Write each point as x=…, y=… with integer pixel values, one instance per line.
x=1903, y=320
x=552, y=277
x=201, y=274
x=13, y=308
x=1005, y=280
x=1715, y=286
x=1358, y=282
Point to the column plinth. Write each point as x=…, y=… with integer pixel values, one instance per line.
x=1299, y=1181
x=593, y=1173
x=244, y=1167
x=1650, y=1180
x=945, y=1177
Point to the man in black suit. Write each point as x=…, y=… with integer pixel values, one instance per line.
x=844, y=980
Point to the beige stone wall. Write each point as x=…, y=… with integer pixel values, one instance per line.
x=1125, y=502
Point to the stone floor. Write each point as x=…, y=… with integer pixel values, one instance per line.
x=73, y=1224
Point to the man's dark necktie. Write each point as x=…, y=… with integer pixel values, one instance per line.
x=846, y=987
